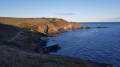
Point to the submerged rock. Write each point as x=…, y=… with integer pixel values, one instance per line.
x=101, y=27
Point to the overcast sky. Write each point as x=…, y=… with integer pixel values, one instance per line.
x=71, y=10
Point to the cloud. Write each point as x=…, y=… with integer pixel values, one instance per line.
x=64, y=13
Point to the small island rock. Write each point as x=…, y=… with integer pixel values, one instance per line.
x=88, y=27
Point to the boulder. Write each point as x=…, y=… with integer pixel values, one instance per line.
x=53, y=48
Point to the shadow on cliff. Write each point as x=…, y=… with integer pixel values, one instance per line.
x=25, y=39
x=21, y=38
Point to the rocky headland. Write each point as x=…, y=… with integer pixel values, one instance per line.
x=21, y=44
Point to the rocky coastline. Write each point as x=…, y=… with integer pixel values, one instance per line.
x=26, y=44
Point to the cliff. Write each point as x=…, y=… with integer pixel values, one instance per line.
x=43, y=25
x=18, y=46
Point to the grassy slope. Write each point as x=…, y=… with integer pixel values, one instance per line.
x=17, y=21
x=29, y=23
x=7, y=32
x=34, y=21
x=12, y=57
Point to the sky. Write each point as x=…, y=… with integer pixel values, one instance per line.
x=70, y=10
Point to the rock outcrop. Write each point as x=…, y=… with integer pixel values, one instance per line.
x=47, y=28
x=88, y=27
x=101, y=27
x=51, y=28
x=53, y=48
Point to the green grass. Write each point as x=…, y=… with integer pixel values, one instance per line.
x=29, y=26
x=17, y=21
x=27, y=23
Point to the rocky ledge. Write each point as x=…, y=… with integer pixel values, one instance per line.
x=89, y=27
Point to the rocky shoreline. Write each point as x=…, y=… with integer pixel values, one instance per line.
x=25, y=48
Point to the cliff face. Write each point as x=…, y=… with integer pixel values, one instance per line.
x=43, y=25
x=47, y=28
x=52, y=28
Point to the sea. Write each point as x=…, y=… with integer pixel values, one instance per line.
x=96, y=44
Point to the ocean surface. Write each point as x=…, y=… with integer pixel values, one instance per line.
x=95, y=44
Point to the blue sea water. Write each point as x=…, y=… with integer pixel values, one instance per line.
x=95, y=44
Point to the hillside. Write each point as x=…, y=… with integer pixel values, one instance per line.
x=43, y=25
x=18, y=45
